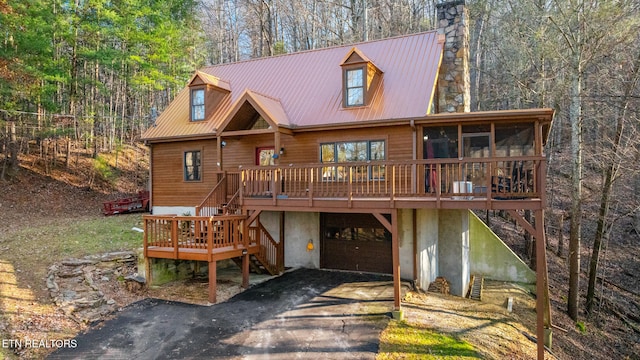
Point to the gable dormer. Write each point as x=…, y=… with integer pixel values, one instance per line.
x=206, y=92
x=360, y=78
x=255, y=113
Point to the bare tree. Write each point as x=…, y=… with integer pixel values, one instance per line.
x=614, y=163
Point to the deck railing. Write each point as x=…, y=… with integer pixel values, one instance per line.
x=232, y=207
x=459, y=179
x=270, y=253
x=227, y=187
x=194, y=233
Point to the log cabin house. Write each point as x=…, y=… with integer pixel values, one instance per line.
x=360, y=157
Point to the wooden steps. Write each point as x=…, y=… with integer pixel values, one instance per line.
x=475, y=290
x=255, y=265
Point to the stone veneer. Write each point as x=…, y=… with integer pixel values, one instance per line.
x=453, y=80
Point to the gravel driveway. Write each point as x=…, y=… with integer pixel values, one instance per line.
x=303, y=314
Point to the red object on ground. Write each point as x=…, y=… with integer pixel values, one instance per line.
x=127, y=205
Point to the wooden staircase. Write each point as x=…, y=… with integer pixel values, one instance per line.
x=270, y=257
x=255, y=266
x=223, y=199
x=475, y=290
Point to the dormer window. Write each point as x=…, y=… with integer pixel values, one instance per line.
x=197, y=105
x=360, y=79
x=207, y=92
x=355, y=87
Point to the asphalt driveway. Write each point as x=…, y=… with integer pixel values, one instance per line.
x=303, y=314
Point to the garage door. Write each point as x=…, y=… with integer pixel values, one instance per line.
x=356, y=242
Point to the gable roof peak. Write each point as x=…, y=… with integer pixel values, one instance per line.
x=268, y=107
x=355, y=56
x=253, y=93
x=209, y=79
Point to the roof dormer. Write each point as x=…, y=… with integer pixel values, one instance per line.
x=360, y=78
x=255, y=113
x=206, y=92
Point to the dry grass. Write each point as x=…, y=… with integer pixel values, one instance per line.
x=46, y=218
x=471, y=329
x=27, y=254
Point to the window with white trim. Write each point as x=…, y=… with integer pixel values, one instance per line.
x=354, y=92
x=197, y=104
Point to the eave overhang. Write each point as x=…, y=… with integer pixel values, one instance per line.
x=543, y=115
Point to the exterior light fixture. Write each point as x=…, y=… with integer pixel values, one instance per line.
x=281, y=151
x=223, y=143
x=310, y=245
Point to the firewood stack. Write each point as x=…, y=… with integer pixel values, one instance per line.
x=440, y=285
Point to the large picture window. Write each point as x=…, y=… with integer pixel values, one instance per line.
x=197, y=104
x=353, y=151
x=192, y=166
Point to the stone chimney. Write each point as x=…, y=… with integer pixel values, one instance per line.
x=454, y=94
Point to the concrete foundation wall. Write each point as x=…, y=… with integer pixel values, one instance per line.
x=453, y=249
x=174, y=210
x=492, y=258
x=427, y=248
x=299, y=228
x=405, y=241
x=167, y=270
x=271, y=221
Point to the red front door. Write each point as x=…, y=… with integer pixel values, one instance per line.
x=264, y=156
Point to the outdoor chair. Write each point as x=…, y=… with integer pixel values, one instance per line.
x=506, y=186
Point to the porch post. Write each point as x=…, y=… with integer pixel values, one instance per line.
x=541, y=285
x=212, y=282
x=219, y=151
x=276, y=146
x=395, y=251
x=245, y=271
x=543, y=306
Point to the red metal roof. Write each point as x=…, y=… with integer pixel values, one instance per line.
x=305, y=89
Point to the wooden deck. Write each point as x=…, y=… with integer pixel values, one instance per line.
x=210, y=239
x=491, y=184
x=197, y=237
x=510, y=183
x=200, y=254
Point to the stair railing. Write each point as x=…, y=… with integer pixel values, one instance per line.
x=217, y=197
x=232, y=207
x=269, y=253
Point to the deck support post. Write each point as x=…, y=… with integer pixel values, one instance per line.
x=245, y=271
x=395, y=249
x=543, y=306
x=212, y=282
x=543, y=310
x=395, y=254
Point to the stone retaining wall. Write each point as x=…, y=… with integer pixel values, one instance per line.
x=85, y=288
